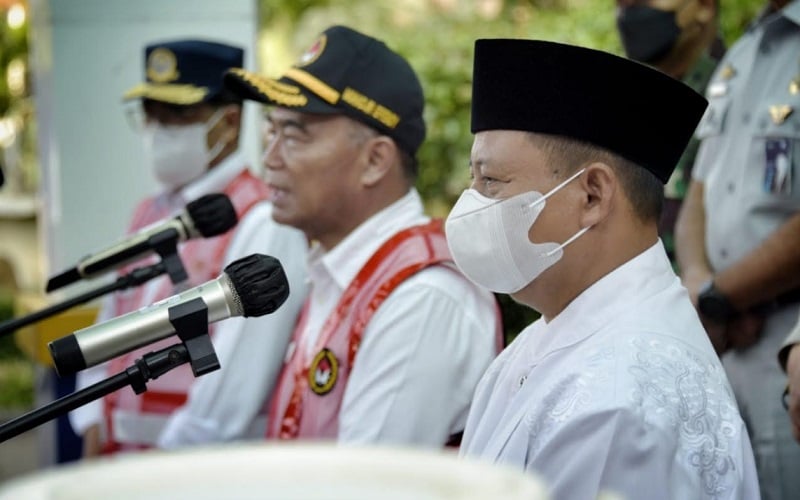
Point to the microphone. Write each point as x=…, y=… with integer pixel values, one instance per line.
x=207, y=216
x=252, y=286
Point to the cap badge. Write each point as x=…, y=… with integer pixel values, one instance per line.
x=323, y=372
x=162, y=66
x=312, y=53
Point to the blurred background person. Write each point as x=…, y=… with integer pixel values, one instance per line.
x=190, y=132
x=681, y=38
x=738, y=233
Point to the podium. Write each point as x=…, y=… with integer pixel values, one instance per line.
x=281, y=471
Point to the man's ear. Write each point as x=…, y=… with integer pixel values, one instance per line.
x=232, y=118
x=381, y=156
x=698, y=11
x=232, y=115
x=600, y=185
x=707, y=11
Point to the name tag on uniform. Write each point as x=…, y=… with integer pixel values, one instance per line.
x=778, y=165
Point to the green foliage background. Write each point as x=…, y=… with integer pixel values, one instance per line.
x=437, y=37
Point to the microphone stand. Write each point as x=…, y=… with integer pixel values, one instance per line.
x=190, y=320
x=167, y=248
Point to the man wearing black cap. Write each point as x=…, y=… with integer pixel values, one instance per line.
x=392, y=339
x=191, y=128
x=616, y=388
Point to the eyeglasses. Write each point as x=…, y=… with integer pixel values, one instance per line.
x=138, y=114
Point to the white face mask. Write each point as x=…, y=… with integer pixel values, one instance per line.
x=180, y=154
x=489, y=239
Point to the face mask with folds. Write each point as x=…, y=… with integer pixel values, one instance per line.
x=489, y=240
x=180, y=154
x=647, y=34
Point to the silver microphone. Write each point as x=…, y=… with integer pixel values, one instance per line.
x=207, y=216
x=252, y=286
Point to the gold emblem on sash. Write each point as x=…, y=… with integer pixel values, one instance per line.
x=794, y=85
x=780, y=113
x=323, y=372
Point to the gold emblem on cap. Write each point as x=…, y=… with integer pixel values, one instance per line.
x=162, y=66
x=794, y=85
x=727, y=72
x=313, y=52
x=780, y=113
x=280, y=93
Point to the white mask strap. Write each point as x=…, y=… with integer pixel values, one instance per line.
x=555, y=189
x=574, y=237
x=217, y=148
x=215, y=118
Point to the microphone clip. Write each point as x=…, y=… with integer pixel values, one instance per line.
x=190, y=320
x=165, y=244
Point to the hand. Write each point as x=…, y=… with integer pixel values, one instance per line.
x=693, y=279
x=744, y=330
x=793, y=371
x=717, y=334
x=92, y=442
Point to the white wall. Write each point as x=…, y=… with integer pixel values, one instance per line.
x=84, y=55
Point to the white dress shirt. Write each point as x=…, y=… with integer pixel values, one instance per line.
x=621, y=392
x=433, y=335
x=227, y=404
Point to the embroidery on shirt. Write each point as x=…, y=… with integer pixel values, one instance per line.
x=568, y=397
x=677, y=389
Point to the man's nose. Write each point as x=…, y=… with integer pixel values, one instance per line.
x=271, y=158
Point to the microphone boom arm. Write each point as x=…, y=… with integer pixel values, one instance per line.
x=136, y=277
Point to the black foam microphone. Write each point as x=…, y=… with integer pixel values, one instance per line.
x=207, y=216
x=249, y=287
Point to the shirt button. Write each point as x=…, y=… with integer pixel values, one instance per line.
x=723, y=253
x=522, y=380
x=746, y=118
x=731, y=187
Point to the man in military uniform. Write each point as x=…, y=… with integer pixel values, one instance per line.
x=190, y=134
x=738, y=233
x=682, y=39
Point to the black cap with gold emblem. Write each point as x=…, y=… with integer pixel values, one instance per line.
x=620, y=105
x=346, y=72
x=185, y=72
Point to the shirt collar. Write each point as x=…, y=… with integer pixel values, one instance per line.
x=792, y=11
x=610, y=298
x=215, y=179
x=347, y=258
